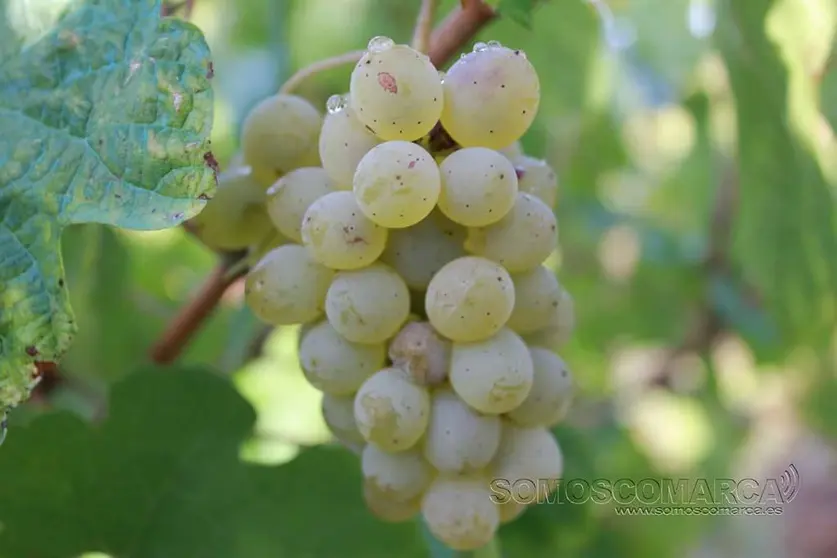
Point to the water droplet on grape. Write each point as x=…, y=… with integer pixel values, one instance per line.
x=380, y=44
x=479, y=47
x=441, y=76
x=494, y=44
x=336, y=103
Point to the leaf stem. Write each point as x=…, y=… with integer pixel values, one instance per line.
x=424, y=25
x=318, y=67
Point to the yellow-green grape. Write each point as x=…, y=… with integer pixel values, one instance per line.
x=339, y=235
x=404, y=475
x=512, y=150
x=418, y=252
x=479, y=187
x=291, y=196
x=469, y=299
x=491, y=97
x=421, y=352
x=270, y=241
x=368, y=305
x=334, y=365
x=235, y=217
x=339, y=415
x=287, y=286
x=560, y=328
x=397, y=184
x=280, y=134
x=493, y=376
x=458, y=438
x=552, y=391
x=521, y=240
x=509, y=511
x=396, y=91
x=530, y=454
x=537, y=294
x=459, y=511
x=536, y=177
x=344, y=140
x=391, y=411
x=387, y=507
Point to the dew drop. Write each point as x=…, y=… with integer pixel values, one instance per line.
x=494, y=44
x=479, y=47
x=336, y=103
x=441, y=76
x=380, y=44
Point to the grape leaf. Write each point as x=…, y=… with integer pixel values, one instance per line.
x=519, y=11
x=162, y=478
x=106, y=111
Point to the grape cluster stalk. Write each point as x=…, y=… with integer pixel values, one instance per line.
x=406, y=231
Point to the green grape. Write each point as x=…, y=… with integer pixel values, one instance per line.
x=536, y=177
x=387, y=507
x=344, y=140
x=280, y=134
x=287, y=286
x=337, y=366
x=419, y=351
x=561, y=325
x=235, y=217
x=491, y=97
x=405, y=474
x=530, y=454
x=291, y=196
x=339, y=415
x=512, y=150
x=492, y=376
x=537, y=294
x=509, y=511
x=551, y=394
x=397, y=184
x=418, y=252
x=272, y=240
x=469, y=299
x=391, y=411
x=339, y=235
x=521, y=240
x=368, y=305
x=396, y=91
x=458, y=438
x=459, y=512
x=479, y=186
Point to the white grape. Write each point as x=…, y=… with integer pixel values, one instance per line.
x=418, y=252
x=391, y=411
x=494, y=375
x=339, y=415
x=551, y=394
x=521, y=240
x=537, y=294
x=368, y=305
x=335, y=365
x=339, y=235
x=530, y=454
x=291, y=196
x=387, y=507
x=479, y=186
x=397, y=184
x=512, y=150
x=404, y=475
x=458, y=438
x=344, y=140
x=536, y=177
x=459, y=512
x=419, y=351
x=396, y=92
x=491, y=97
x=469, y=299
x=287, y=286
x=560, y=328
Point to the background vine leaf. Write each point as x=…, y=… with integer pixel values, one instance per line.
x=106, y=111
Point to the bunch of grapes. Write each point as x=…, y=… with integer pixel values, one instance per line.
x=407, y=233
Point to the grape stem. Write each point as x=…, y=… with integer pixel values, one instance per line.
x=424, y=25
x=318, y=67
x=458, y=28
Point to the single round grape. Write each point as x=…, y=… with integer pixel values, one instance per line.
x=418, y=252
x=339, y=235
x=561, y=325
x=419, y=351
x=291, y=196
x=368, y=305
x=469, y=299
x=512, y=150
x=334, y=365
x=339, y=416
x=397, y=184
x=386, y=507
x=536, y=177
x=492, y=376
x=404, y=475
x=287, y=286
x=396, y=92
x=551, y=394
x=537, y=294
x=279, y=135
x=391, y=411
x=530, y=454
x=521, y=240
x=491, y=97
x=344, y=140
x=479, y=186
x=235, y=217
x=458, y=438
x=459, y=512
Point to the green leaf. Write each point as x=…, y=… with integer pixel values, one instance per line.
x=106, y=111
x=162, y=478
x=519, y=11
